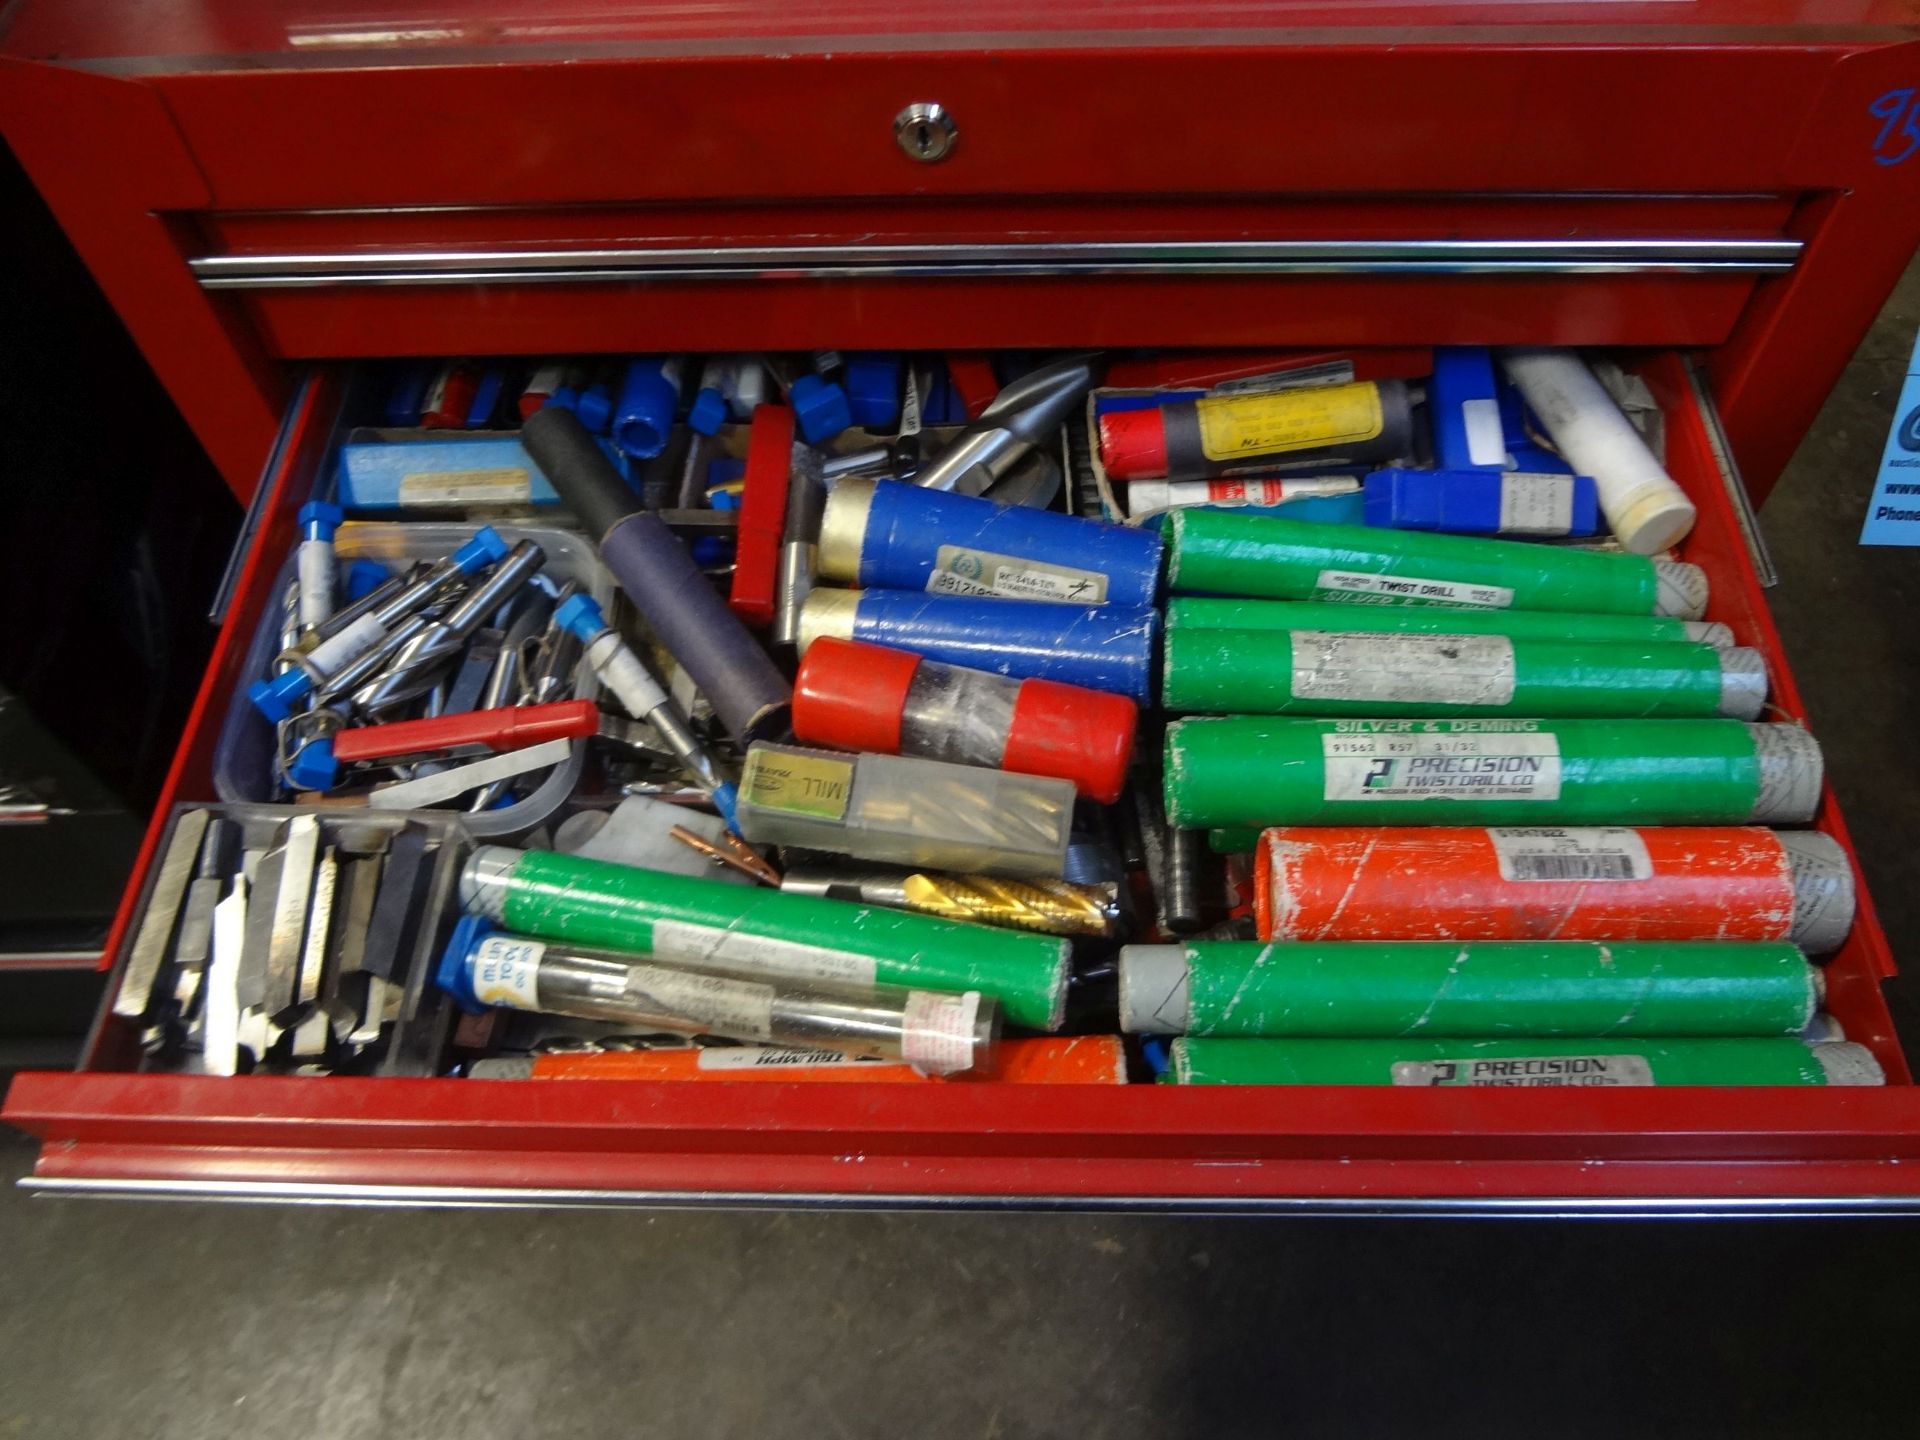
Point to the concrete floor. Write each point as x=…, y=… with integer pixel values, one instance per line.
x=190, y=1320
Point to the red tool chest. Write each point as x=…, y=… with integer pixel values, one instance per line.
x=267, y=192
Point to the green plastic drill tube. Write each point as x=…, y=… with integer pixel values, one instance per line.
x=764, y=933
x=1237, y=771
x=1227, y=552
x=1200, y=612
x=1234, y=839
x=1337, y=672
x=1522, y=1063
x=1381, y=989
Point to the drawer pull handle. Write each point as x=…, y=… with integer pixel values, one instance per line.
x=998, y=261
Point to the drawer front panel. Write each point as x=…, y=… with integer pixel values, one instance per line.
x=1666, y=271
x=1308, y=118
x=982, y=314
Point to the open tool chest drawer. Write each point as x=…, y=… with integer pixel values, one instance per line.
x=1732, y=229
x=109, y=1129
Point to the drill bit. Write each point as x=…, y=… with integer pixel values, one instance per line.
x=1053, y=907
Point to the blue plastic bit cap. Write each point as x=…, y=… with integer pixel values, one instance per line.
x=318, y=519
x=820, y=408
x=582, y=615
x=726, y=800
x=484, y=549
x=455, y=971
x=276, y=698
x=708, y=412
x=873, y=389
x=595, y=408
x=363, y=578
x=314, y=768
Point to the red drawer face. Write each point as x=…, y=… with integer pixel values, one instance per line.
x=108, y=1127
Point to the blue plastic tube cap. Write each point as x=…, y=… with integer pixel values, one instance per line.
x=820, y=408
x=363, y=578
x=314, y=768
x=319, y=520
x=648, y=397
x=595, y=408
x=582, y=615
x=486, y=397
x=484, y=549
x=708, y=412
x=276, y=698
x=873, y=389
x=454, y=974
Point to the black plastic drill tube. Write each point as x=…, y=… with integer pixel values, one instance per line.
x=727, y=664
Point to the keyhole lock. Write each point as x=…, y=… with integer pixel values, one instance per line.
x=925, y=131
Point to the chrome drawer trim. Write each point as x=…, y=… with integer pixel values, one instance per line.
x=443, y=1197
x=995, y=261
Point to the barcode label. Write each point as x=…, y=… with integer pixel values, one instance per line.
x=1572, y=854
x=1573, y=867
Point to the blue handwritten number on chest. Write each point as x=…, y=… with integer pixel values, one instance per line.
x=1899, y=113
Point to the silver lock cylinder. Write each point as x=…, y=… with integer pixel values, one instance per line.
x=925, y=131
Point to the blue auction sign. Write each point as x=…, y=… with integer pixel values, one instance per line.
x=1893, y=515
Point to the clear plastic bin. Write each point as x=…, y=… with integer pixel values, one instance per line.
x=243, y=758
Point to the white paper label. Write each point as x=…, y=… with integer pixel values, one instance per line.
x=757, y=954
x=739, y=1009
x=776, y=1057
x=958, y=570
x=622, y=672
x=1486, y=440
x=1536, y=504
x=1403, y=669
x=334, y=652
x=1412, y=590
x=506, y=971
x=505, y=486
x=314, y=561
x=1440, y=764
x=910, y=404
x=937, y=1037
x=1579, y=854
x=1527, y=1071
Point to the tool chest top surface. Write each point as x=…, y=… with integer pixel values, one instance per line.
x=186, y=34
